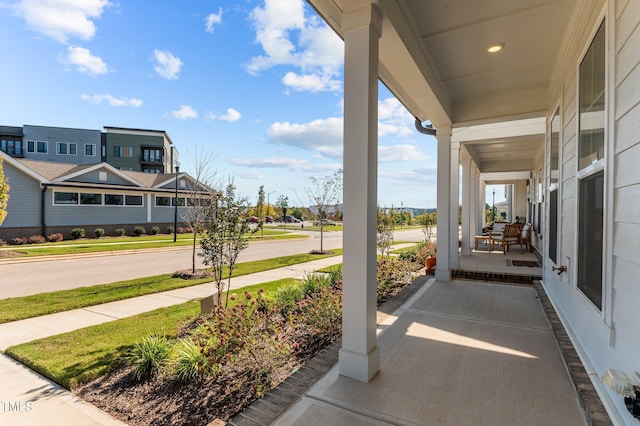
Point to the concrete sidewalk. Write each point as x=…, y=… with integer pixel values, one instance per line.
x=17, y=332
x=26, y=398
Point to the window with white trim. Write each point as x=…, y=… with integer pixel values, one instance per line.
x=90, y=149
x=31, y=146
x=42, y=147
x=163, y=201
x=86, y=198
x=554, y=151
x=65, y=197
x=591, y=142
x=113, y=199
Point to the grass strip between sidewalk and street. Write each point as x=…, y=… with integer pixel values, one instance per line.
x=88, y=245
x=76, y=357
x=18, y=308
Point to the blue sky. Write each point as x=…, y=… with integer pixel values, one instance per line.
x=256, y=83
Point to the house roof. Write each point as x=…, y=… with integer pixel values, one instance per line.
x=51, y=170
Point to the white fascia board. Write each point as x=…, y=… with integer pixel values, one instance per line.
x=503, y=130
x=6, y=158
x=499, y=177
x=99, y=166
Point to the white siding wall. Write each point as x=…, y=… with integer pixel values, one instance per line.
x=616, y=346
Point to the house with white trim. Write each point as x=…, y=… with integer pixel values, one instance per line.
x=543, y=95
x=48, y=197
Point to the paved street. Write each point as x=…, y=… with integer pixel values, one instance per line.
x=39, y=276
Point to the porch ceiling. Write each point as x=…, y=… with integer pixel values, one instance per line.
x=433, y=55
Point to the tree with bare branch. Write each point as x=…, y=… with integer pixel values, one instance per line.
x=224, y=236
x=324, y=194
x=199, y=197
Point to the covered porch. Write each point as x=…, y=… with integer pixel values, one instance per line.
x=456, y=353
x=485, y=109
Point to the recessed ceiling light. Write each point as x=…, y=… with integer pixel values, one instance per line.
x=495, y=47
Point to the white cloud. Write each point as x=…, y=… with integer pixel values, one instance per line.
x=84, y=61
x=311, y=82
x=62, y=19
x=112, y=100
x=167, y=65
x=231, y=116
x=424, y=175
x=295, y=164
x=322, y=135
x=251, y=174
x=392, y=153
x=394, y=119
x=185, y=112
x=288, y=37
x=213, y=19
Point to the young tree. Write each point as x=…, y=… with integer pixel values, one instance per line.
x=283, y=204
x=225, y=235
x=427, y=230
x=4, y=194
x=384, y=236
x=200, y=193
x=324, y=193
x=260, y=209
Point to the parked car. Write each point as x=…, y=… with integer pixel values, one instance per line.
x=288, y=219
x=324, y=222
x=269, y=219
x=253, y=219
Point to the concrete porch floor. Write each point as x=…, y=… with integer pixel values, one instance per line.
x=457, y=353
x=482, y=260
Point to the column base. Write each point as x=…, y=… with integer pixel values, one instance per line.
x=443, y=275
x=359, y=366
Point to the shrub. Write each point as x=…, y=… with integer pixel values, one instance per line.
x=77, y=233
x=37, y=239
x=287, y=296
x=155, y=230
x=183, y=230
x=393, y=275
x=188, y=361
x=139, y=230
x=148, y=356
x=99, y=232
x=2, y=242
x=119, y=232
x=55, y=237
x=170, y=229
x=18, y=241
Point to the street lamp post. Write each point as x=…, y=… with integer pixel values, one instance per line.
x=175, y=215
x=493, y=207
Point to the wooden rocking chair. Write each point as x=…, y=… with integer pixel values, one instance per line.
x=512, y=234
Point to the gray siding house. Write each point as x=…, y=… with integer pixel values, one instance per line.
x=48, y=197
x=62, y=145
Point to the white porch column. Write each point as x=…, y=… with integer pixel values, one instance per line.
x=474, y=203
x=359, y=357
x=481, y=202
x=443, y=269
x=454, y=235
x=467, y=203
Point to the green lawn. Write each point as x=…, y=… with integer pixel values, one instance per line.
x=96, y=245
x=18, y=308
x=82, y=355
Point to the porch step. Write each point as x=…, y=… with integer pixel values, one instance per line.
x=502, y=277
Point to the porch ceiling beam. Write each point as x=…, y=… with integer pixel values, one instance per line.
x=503, y=177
